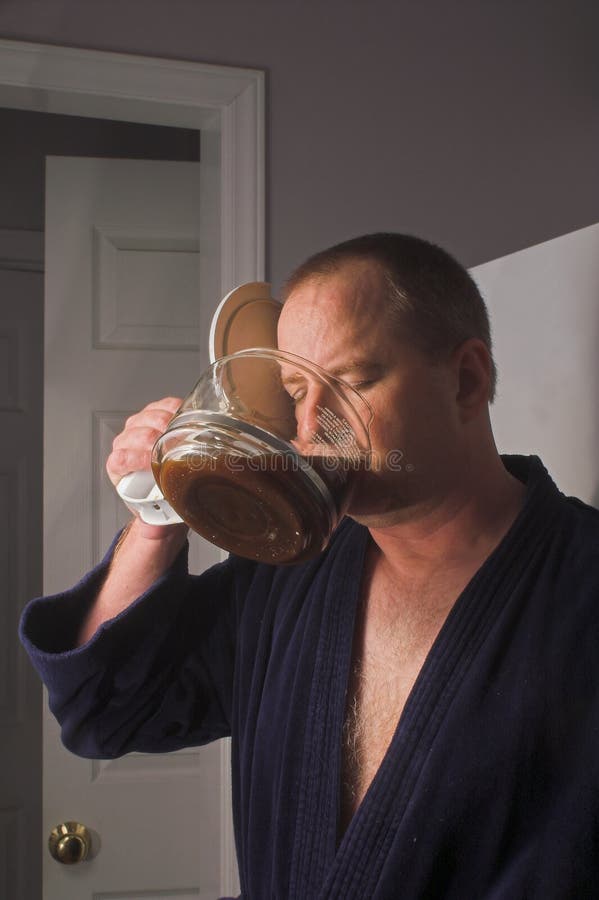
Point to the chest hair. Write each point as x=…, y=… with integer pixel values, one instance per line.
x=391, y=642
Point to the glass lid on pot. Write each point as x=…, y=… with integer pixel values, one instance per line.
x=246, y=317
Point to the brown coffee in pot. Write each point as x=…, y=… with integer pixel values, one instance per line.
x=250, y=506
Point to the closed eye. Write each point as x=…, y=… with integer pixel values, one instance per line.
x=294, y=385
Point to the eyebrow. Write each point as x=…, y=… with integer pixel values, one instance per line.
x=360, y=365
x=292, y=379
x=339, y=372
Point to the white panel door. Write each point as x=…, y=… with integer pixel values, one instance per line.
x=544, y=308
x=132, y=277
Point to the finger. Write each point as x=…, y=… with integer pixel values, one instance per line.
x=131, y=452
x=122, y=462
x=152, y=415
x=132, y=448
x=172, y=403
x=136, y=438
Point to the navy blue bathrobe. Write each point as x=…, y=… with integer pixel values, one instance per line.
x=490, y=786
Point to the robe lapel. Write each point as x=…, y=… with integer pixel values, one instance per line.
x=318, y=806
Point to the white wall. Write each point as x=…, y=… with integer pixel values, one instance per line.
x=544, y=307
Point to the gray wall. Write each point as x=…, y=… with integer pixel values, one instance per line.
x=473, y=123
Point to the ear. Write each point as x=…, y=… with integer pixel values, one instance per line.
x=472, y=365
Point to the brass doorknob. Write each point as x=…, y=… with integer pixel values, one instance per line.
x=69, y=843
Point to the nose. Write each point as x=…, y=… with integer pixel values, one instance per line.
x=309, y=418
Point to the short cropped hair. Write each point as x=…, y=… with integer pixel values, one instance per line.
x=429, y=292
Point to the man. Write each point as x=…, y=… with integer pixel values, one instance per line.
x=414, y=713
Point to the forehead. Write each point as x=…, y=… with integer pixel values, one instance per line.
x=357, y=287
x=330, y=319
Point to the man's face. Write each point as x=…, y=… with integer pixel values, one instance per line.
x=341, y=323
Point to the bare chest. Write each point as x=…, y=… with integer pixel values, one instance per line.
x=378, y=689
x=390, y=648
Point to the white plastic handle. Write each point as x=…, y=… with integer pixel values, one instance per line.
x=140, y=493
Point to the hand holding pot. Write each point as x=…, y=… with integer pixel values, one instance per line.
x=132, y=451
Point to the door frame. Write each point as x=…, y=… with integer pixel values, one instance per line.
x=226, y=104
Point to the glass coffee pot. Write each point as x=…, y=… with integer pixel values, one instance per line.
x=261, y=458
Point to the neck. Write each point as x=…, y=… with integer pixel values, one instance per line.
x=458, y=531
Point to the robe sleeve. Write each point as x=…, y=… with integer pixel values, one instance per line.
x=157, y=677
